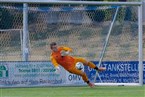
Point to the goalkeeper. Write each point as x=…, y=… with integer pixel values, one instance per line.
x=60, y=56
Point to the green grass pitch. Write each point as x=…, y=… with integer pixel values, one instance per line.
x=98, y=91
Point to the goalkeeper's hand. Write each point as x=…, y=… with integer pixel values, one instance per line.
x=64, y=53
x=57, y=70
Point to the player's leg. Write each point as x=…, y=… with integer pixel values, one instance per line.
x=88, y=63
x=82, y=74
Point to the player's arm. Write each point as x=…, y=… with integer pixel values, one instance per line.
x=56, y=65
x=54, y=62
x=65, y=51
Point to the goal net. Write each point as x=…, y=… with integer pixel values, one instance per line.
x=10, y=44
x=106, y=34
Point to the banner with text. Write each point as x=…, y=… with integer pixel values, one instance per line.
x=29, y=74
x=117, y=72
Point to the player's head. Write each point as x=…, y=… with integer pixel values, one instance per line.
x=53, y=46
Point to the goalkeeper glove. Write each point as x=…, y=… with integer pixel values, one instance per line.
x=57, y=70
x=64, y=53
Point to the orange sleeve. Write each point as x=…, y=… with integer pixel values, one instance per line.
x=54, y=62
x=66, y=48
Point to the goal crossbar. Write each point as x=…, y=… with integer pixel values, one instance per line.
x=71, y=2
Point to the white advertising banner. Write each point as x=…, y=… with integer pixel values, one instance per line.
x=30, y=74
x=72, y=79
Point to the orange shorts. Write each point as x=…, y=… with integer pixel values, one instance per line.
x=74, y=70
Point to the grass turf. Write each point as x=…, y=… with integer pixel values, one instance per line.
x=98, y=91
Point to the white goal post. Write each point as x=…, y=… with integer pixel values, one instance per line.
x=140, y=29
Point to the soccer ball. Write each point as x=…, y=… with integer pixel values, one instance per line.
x=79, y=65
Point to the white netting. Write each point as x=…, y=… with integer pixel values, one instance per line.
x=83, y=28
x=10, y=45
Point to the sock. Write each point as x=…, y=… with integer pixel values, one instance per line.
x=88, y=82
x=96, y=68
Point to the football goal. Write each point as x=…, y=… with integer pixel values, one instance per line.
x=107, y=33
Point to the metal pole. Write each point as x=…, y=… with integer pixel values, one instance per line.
x=140, y=31
x=106, y=41
x=25, y=32
x=144, y=12
x=21, y=39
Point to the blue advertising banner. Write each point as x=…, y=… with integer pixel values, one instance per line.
x=117, y=72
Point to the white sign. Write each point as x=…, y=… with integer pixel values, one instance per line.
x=29, y=74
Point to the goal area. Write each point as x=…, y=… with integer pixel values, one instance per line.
x=106, y=33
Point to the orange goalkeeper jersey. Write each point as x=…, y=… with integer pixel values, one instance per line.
x=65, y=61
